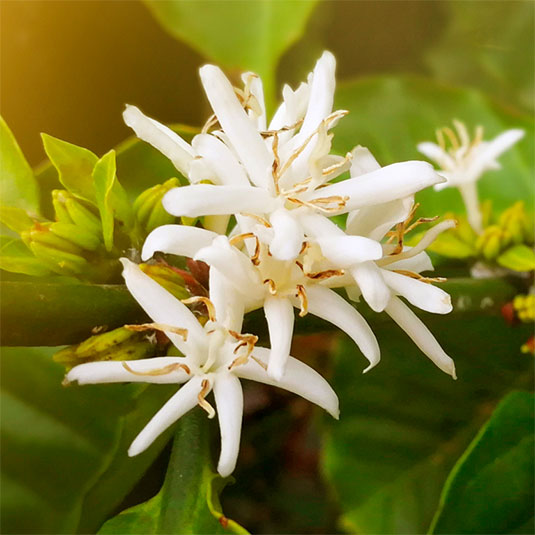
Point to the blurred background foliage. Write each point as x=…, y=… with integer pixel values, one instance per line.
x=404, y=69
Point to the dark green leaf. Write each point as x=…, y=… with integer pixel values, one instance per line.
x=74, y=165
x=491, y=488
x=392, y=115
x=237, y=34
x=18, y=186
x=187, y=503
x=403, y=425
x=518, y=258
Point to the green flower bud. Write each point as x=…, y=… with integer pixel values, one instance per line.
x=77, y=235
x=119, y=344
x=58, y=260
x=58, y=201
x=148, y=207
x=167, y=277
x=69, y=209
x=492, y=241
x=42, y=233
x=515, y=221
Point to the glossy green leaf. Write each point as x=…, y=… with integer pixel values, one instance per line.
x=391, y=115
x=518, y=258
x=18, y=186
x=59, y=313
x=239, y=34
x=490, y=48
x=74, y=166
x=186, y=503
x=404, y=424
x=15, y=257
x=491, y=488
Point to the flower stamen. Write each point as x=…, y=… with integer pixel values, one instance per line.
x=303, y=300
x=201, y=299
x=159, y=327
x=159, y=371
x=271, y=286
x=205, y=388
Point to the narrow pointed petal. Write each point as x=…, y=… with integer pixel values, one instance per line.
x=420, y=335
x=163, y=307
x=298, y=378
x=318, y=226
x=288, y=235
x=178, y=405
x=434, y=152
x=239, y=128
x=256, y=88
x=417, y=263
x=208, y=199
x=392, y=182
x=115, y=372
x=227, y=301
x=279, y=313
x=180, y=240
x=345, y=251
x=220, y=158
x=229, y=401
x=330, y=306
x=363, y=162
x=160, y=137
x=420, y=294
x=372, y=285
x=375, y=221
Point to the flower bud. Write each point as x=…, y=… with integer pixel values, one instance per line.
x=42, y=233
x=58, y=202
x=515, y=221
x=524, y=306
x=148, y=207
x=492, y=241
x=119, y=344
x=168, y=277
x=77, y=235
x=69, y=209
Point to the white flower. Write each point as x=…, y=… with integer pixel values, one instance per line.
x=463, y=163
x=276, y=174
x=257, y=279
x=216, y=357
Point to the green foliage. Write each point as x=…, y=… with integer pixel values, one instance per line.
x=238, y=34
x=187, y=502
x=18, y=187
x=518, y=258
x=404, y=424
x=490, y=489
x=17, y=258
x=391, y=115
x=490, y=48
x=62, y=446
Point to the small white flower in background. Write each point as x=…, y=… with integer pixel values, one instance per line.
x=465, y=161
x=279, y=172
x=216, y=357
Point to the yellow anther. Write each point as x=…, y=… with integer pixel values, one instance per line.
x=201, y=299
x=303, y=300
x=205, y=388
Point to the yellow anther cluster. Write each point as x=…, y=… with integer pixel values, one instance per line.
x=524, y=306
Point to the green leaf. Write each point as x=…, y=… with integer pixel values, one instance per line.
x=404, y=424
x=16, y=219
x=18, y=186
x=15, y=257
x=518, y=258
x=490, y=48
x=58, y=313
x=491, y=488
x=186, y=503
x=112, y=200
x=239, y=34
x=391, y=115
x=74, y=165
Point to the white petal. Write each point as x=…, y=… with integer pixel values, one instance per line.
x=328, y=305
x=176, y=239
x=420, y=294
x=227, y=301
x=164, y=307
x=253, y=83
x=207, y=199
x=375, y=221
x=220, y=158
x=418, y=263
x=319, y=226
x=420, y=334
x=288, y=235
x=298, y=378
x=392, y=182
x=178, y=405
x=363, y=162
x=492, y=150
x=160, y=137
x=372, y=285
x=473, y=212
x=115, y=372
x=229, y=401
x=279, y=313
x=292, y=109
x=344, y=251
x=438, y=155
x=240, y=130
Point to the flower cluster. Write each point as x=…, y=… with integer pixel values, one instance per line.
x=267, y=194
